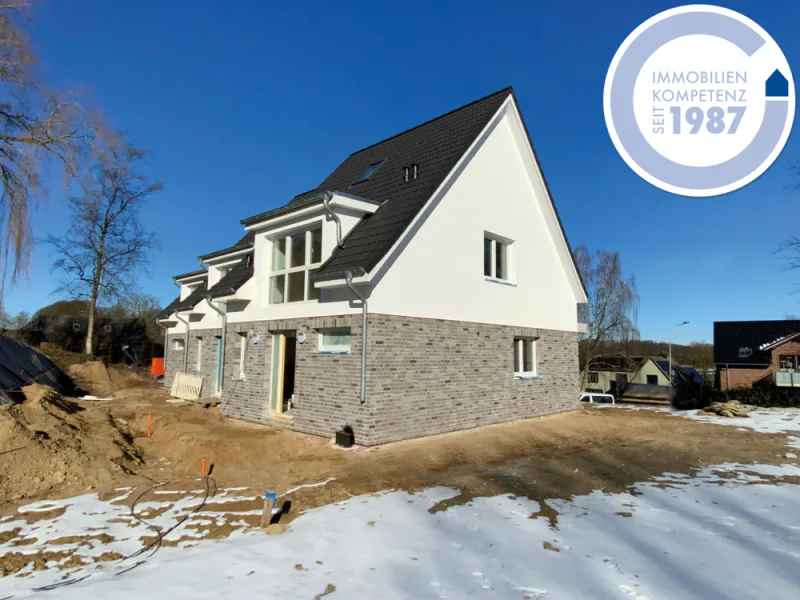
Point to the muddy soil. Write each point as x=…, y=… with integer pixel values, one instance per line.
x=557, y=456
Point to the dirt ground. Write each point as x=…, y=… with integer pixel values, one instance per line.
x=67, y=448
x=52, y=447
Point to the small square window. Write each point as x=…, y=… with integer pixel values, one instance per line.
x=652, y=380
x=177, y=345
x=368, y=172
x=76, y=327
x=594, y=377
x=524, y=356
x=745, y=352
x=334, y=340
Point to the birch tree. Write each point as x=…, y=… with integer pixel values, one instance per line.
x=106, y=246
x=38, y=127
x=613, y=306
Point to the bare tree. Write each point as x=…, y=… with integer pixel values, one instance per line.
x=613, y=306
x=37, y=126
x=106, y=244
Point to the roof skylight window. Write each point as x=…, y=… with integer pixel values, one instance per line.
x=368, y=172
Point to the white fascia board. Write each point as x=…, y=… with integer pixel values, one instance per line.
x=549, y=211
x=339, y=200
x=277, y=221
x=220, y=260
x=354, y=202
x=191, y=279
x=335, y=283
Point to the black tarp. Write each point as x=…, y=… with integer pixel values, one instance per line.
x=21, y=365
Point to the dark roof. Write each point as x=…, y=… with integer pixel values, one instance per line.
x=169, y=309
x=436, y=146
x=233, y=279
x=190, y=274
x=194, y=298
x=242, y=244
x=680, y=373
x=300, y=201
x=731, y=336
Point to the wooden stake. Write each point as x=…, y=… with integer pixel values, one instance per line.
x=149, y=424
x=269, y=504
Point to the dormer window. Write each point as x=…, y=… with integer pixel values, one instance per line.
x=410, y=172
x=368, y=172
x=294, y=260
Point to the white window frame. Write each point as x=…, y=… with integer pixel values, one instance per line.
x=509, y=262
x=595, y=375
x=519, y=352
x=242, y=355
x=307, y=267
x=198, y=365
x=331, y=348
x=178, y=345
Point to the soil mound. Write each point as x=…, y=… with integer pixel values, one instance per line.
x=94, y=377
x=49, y=441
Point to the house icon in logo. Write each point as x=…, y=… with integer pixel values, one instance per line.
x=777, y=85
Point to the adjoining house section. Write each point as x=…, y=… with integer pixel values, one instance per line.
x=637, y=378
x=426, y=285
x=757, y=353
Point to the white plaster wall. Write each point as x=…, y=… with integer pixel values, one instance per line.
x=439, y=274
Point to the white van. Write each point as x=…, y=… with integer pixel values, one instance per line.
x=597, y=398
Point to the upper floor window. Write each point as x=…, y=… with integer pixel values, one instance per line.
x=496, y=258
x=368, y=172
x=294, y=260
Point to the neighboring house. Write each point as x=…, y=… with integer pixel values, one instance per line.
x=636, y=377
x=749, y=353
x=449, y=232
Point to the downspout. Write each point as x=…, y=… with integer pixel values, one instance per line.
x=326, y=205
x=222, y=336
x=185, y=340
x=348, y=275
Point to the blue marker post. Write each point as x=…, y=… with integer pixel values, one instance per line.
x=270, y=500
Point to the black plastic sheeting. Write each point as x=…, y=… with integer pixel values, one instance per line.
x=21, y=365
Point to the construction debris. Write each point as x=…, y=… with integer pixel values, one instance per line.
x=732, y=408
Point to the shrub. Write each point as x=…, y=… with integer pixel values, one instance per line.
x=689, y=395
x=765, y=397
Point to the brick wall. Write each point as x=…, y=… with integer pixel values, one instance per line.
x=746, y=377
x=424, y=376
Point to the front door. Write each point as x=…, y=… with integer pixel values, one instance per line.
x=281, y=384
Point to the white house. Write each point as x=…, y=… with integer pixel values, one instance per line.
x=426, y=285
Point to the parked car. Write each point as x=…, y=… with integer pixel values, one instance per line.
x=597, y=398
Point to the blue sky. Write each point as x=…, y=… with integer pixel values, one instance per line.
x=245, y=104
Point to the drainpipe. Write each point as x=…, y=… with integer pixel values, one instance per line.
x=224, y=316
x=348, y=275
x=185, y=340
x=326, y=205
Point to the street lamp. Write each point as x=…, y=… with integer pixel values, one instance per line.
x=669, y=375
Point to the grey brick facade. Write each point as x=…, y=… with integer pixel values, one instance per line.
x=424, y=376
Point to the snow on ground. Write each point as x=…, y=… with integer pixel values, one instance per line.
x=730, y=531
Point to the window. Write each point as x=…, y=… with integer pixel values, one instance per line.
x=177, y=345
x=652, y=380
x=593, y=377
x=294, y=260
x=242, y=354
x=199, y=364
x=745, y=352
x=789, y=362
x=368, y=172
x=496, y=258
x=76, y=327
x=334, y=340
x=524, y=356
x=410, y=173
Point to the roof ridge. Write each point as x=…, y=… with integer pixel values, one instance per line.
x=508, y=89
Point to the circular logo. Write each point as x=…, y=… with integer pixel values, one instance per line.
x=699, y=100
